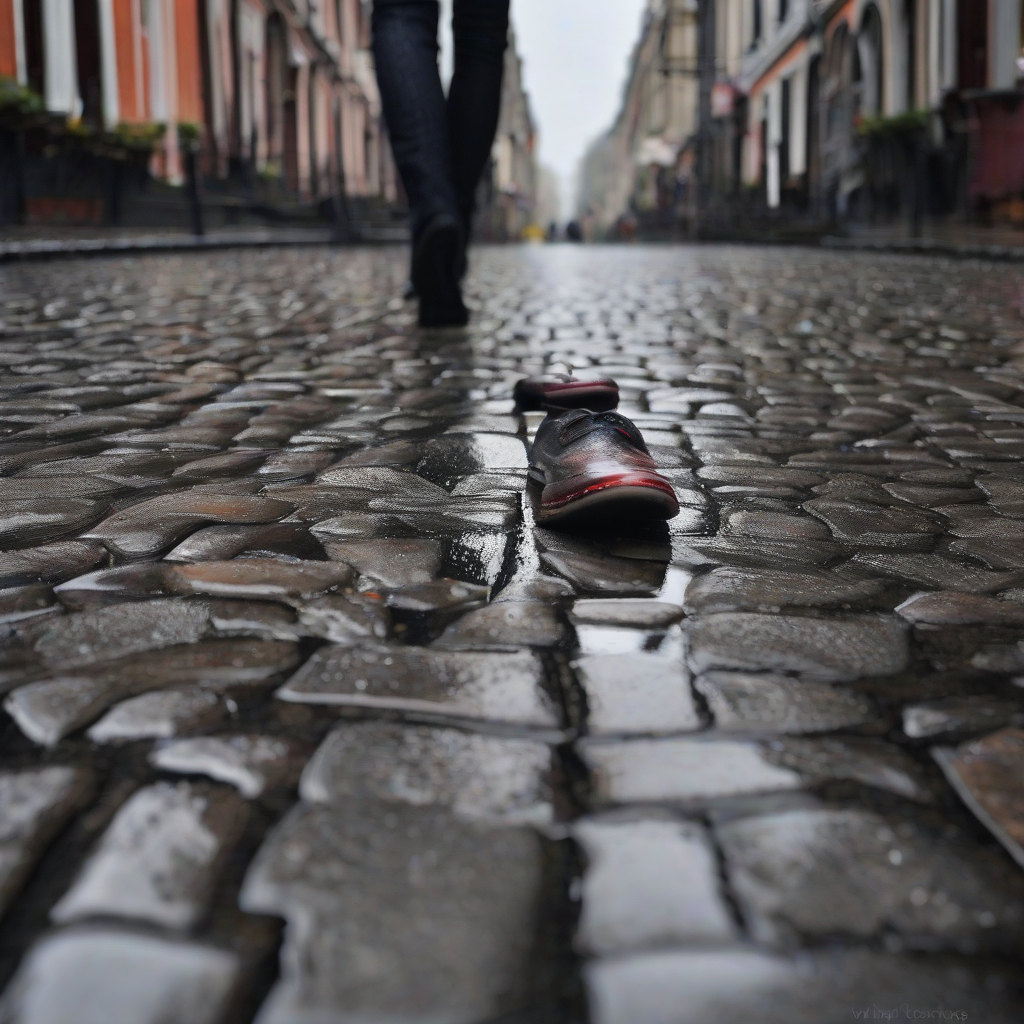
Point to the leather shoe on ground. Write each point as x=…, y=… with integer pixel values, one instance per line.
x=594, y=465
x=560, y=391
x=435, y=274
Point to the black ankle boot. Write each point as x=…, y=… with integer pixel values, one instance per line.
x=435, y=273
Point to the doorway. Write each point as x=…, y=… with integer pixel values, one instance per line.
x=972, y=38
x=89, y=55
x=291, y=131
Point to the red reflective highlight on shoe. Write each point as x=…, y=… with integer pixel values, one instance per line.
x=618, y=480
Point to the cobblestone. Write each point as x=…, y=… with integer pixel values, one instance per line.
x=159, y=857
x=97, y=975
x=281, y=644
x=636, y=694
x=650, y=881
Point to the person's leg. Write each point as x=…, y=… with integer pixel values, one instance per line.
x=405, y=54
x=474, y=100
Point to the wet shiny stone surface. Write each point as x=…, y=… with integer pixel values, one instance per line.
x=306, y=720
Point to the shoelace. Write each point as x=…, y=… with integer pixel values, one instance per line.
x=581, y=422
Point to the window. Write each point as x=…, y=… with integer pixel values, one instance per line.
x=972, y=40
x=35, y=59
x=783, y=10
x=758, y=21
x=870, y=63
x=910, y=22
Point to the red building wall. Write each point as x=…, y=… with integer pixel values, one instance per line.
x=130, y=104
x=190, y=75
x=8, y=54
x=999, y=161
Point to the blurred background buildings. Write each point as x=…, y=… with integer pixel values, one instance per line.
x=278, y=100
x=759, y=118
x=267, y=109
x=508, y=198
x=639, y=167
x=793, y=116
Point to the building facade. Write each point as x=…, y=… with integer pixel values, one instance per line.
x=851, y=105
x=279, y=91
x=507, y=201
x=830, y=110
x=639, y=169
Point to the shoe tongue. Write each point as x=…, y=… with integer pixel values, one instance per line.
x=576, y=424
x=580, y=422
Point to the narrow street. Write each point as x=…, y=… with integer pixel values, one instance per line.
x=305, y=722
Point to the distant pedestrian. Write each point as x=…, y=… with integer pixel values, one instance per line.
x=441, y=145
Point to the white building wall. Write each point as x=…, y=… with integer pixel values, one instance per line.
x=108, y=64
x=61, y=66
x=1004, y=42
x=19, y=43
x=158, y=98
x=746, y=19
x=215, y=16
x=798, y=121
x=251, y=37
x=163, y=79
x=773, y=112
x=948, y=44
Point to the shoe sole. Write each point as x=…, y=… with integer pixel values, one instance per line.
x=612, y=501
x=437, y=319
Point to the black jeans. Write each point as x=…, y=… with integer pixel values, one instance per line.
x=441, y=146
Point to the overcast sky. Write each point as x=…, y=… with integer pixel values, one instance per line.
x=575, y=54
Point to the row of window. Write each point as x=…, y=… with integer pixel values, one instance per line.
x=781, y=14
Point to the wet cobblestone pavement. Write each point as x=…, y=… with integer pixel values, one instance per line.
x=307, y=723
